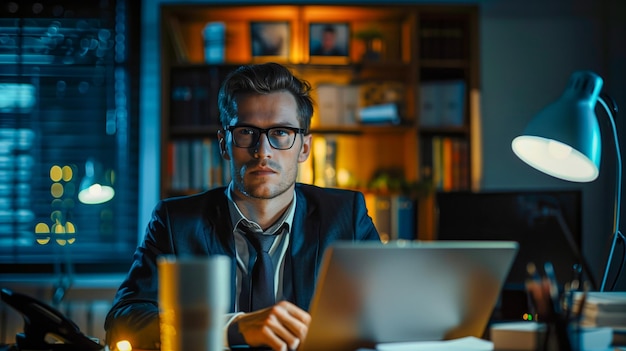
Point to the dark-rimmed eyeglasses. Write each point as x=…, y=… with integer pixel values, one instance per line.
x=280, y=138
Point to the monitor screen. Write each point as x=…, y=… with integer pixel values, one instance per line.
x=537, y=220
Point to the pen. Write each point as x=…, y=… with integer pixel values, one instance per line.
x=554, y=288
x=533, y=279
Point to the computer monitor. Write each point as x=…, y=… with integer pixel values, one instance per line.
x=537, y=220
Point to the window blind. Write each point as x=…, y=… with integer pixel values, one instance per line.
x=68, y=110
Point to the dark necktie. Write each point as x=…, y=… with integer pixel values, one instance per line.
x=261, y=293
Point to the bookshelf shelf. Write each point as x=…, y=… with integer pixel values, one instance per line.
x=393, y=53
x=445, y=63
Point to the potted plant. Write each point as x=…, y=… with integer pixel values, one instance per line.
x=373, y=39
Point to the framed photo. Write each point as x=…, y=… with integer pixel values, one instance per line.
x=270, y=40
x=329, y=42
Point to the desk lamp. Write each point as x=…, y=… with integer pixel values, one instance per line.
x=95, y=188
x=564, y=141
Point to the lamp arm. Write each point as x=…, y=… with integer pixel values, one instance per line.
x=604, y=99
x=556, y=213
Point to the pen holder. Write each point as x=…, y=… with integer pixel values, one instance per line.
x=549, y=310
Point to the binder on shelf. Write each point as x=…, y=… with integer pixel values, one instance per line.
x=452, y=102
x=442, y=103
x=337, y=104
x=429, y=107
x=403, y=217
x=329, y=104
x=394, y=215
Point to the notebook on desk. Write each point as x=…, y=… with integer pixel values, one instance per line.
x=370, y=293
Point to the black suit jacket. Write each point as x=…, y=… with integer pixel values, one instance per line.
x=200, y=225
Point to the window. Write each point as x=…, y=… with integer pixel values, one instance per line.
x=68, y=115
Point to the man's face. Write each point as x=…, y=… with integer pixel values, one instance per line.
x=261, y=171
x=328, y=40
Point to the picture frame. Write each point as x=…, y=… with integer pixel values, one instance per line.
x=270, y=40
x=329, y=42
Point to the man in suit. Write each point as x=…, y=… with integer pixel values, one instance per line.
x=328, y=43
x=266, y=115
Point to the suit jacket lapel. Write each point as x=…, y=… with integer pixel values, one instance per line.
x=304, y=251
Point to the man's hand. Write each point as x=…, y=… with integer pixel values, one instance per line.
x=281, y=327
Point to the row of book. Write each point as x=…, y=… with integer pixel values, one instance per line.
x=196, y=164
x=446, y=160
x=443, y=39
x=193, y=94
x=394, y=216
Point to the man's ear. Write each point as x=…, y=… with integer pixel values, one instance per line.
x=305, y=150
x=221, y=140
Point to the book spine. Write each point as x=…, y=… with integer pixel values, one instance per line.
x=403, y=218
x=383, y=218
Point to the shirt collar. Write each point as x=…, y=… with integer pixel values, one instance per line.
x=236, y=217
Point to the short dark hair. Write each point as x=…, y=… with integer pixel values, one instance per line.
x=264, y=79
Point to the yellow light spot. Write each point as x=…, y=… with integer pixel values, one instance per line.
x=55, y=173
x=123, y=345
x=59, y=230
x=343, y=177
x=56, y=189
x=42, y=232
x=68, y=173
x=42, y=228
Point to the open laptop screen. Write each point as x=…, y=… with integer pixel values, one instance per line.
x=369, y=293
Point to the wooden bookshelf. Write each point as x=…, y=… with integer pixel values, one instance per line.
x=411, y=48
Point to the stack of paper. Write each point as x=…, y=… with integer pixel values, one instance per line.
x=469, y=343
x=603, y=309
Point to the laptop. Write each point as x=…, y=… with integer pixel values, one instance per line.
x=369, y=293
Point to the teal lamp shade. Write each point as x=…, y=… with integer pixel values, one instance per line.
x=563, y=140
